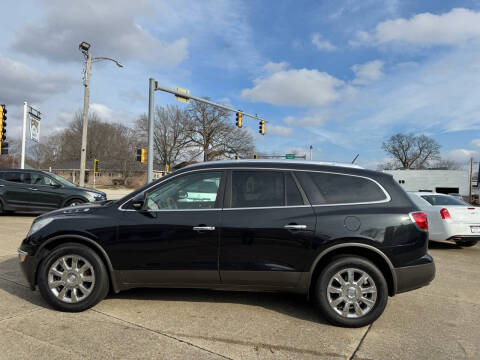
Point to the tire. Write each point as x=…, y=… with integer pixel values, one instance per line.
x=73, y=202
x=365, y=311
x=83, y=289
x=466, y=243
x=1, y=208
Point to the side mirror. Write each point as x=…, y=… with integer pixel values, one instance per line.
x=182, y=194
x=56, y=185
x=138, y=204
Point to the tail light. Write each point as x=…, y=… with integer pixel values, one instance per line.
x=420, y=219
x=445, y=214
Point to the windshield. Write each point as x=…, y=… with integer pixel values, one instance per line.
x=61, y=180
x=443, y=200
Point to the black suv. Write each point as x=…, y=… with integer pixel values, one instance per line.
x=344, y=236
x=35, y=190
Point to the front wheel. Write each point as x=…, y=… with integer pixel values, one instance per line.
x=466, y=243
x=74, y=202
x=351, y=291
x=73, y=278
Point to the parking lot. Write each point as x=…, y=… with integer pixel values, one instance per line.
x=441, y=321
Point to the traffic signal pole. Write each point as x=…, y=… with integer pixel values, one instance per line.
x=153, y=86
x=151, y=90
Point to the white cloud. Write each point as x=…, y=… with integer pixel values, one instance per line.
x=461, y=156
x=107, y=114
x=451, y=28
x=110, y=26
x=273, y=67
x=322, y=44
x=296, y=87
x=278, y=130
x=19, y=83
x=368, y=72
x=318, y=118
x=475, y=143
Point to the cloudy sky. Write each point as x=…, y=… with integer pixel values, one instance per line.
x=340, y=75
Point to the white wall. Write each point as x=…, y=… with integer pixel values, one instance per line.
x=430, y=179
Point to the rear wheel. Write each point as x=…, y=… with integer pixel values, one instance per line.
x=73, y=278
x=351, y=291
x=466, y=243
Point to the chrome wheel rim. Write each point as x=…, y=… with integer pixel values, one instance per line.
x=71, y=278
x=351, y=293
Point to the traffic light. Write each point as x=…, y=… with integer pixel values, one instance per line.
x=236, y=156
x=142, y=155
x=167, y=169
x=239, y=119
x=95, y=166
x=3, y=123
x=4, y=150
x=261, y=127
x=255, y=156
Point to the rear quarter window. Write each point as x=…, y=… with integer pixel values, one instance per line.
x=329, y=188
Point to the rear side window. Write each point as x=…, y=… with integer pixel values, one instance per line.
x=328, y=188
x=443, y=200
x=257, y=189
x=16, y=176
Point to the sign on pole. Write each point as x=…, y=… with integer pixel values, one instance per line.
x=34, y=128
x=290, y=156
x=183, y=99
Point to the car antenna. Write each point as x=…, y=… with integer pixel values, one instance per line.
x=356, y=157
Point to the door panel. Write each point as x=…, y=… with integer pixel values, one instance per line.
x=263, y=241
x=43, y=193
x=16, y=190
x=256, y=248
x=174, y=238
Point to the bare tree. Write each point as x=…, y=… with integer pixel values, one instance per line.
x=211, y=134
x=411, y=151
x=170, y=139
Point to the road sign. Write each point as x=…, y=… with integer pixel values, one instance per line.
x=180, y=98
x=289, y=156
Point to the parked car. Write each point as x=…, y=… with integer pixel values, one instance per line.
x=449, y=218
x=35, y=190
x=344, y=236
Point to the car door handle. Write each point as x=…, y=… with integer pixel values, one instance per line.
x=1, y=185
x=295, y=227
x=204, y=228
x=34, y=189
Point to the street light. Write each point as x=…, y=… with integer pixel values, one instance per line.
x=84, y=47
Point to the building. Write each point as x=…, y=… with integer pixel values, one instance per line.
x=107, y=174
x=441, y=181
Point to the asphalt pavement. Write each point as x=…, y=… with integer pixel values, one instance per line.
x=441, y=321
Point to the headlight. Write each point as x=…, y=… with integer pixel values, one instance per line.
x=93, y=196
x=37, y=225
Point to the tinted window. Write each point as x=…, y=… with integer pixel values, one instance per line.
x=327, y=188
x=18, y=177
x=257, y=189
x=193, y=191
x=443, y=200
x=292, y=193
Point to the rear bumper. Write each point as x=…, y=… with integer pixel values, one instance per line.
x=415, y=276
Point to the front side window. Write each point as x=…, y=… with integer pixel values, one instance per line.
x=192, y=191
x=328, y=188
x=257, y=189
x=40, y=179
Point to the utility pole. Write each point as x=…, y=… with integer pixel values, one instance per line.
x=311, y=148
x=151, y=90
x=86, y=99
x=84, y=48
x=24, y=134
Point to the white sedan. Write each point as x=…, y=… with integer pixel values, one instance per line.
x=449, y=218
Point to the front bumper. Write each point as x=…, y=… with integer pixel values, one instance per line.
x=28, y=266
x=415, y=276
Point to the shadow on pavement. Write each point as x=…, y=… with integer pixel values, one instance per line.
x=443, y=245
x=285, y=303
